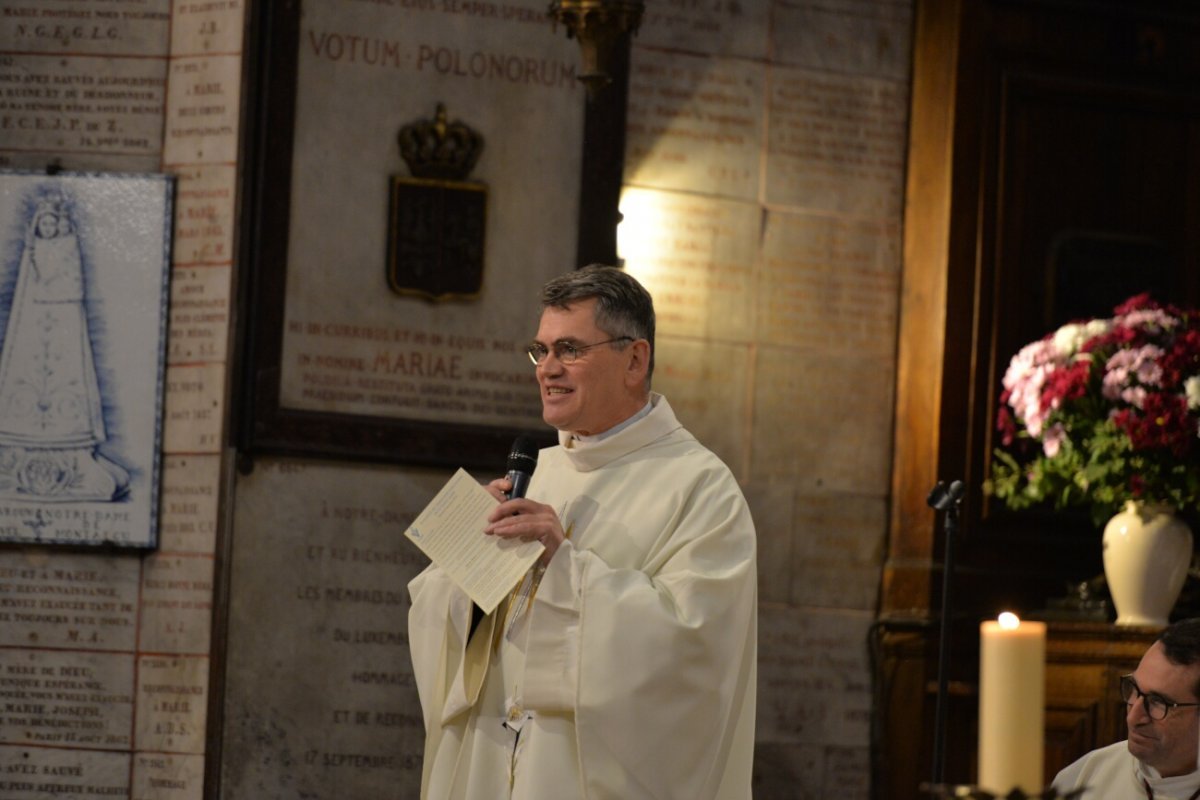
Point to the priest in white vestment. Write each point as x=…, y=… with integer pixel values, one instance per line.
x=1159, y=759
x=623, y=666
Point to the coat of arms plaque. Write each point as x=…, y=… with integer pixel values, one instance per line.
x=437, y=219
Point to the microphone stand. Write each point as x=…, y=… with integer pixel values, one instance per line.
x=944, y=498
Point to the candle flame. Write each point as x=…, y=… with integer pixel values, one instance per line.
x=1009, y=621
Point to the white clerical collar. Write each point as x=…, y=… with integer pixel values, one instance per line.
x=615, y=429
x=1158, y=786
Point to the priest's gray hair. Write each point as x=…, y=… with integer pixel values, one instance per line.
x=623, y=306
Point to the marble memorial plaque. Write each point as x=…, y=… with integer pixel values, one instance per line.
x=66, y=699
x=349, y=723
x=202, y=109
x=696, y=256
x=160, y=776
x=837, y=550
x=204, y=208
x=75, y=600
x=192, y=418
x=83, y=84
x=189, y=508
x=830, y=285
x=848, y=405
x=172, y=704
x=205, y=27
x=814, y=682
x=176, y=604
x=111, y=29
x=71, y=104
x=836, y=143
x=706, y=382
x=38, y=773
x=365, y=70
x=719, y=27
x=694, y=124
x=199, y=323
x=860, y=37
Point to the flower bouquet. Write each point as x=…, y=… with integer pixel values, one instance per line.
x=1102, y=412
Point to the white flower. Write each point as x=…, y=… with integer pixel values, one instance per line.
x=1192, y=387
x=1070, y=337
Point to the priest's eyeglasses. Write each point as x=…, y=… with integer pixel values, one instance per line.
x=566, y=352
x=1157, y=706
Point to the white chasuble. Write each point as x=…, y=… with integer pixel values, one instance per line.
x=629, y=670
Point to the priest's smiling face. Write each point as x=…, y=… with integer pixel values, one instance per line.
x=603, y=387
x=1169, y=744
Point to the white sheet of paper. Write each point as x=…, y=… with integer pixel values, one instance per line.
x=450, y=532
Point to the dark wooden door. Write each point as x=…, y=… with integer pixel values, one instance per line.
x=1054, y=170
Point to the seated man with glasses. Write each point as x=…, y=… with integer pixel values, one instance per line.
x=1159, y=760
x=623, y=665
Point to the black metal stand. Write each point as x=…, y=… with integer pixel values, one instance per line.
x=944, y=498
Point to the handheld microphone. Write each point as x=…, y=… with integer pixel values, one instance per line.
x=521, y=462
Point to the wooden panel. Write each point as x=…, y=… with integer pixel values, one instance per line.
x=1042, y=134
x=1084, y=662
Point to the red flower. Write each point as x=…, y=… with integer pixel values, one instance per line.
x=1119, y=336
x=1182, y=358
x=1139, y=302
x=1066, y=384
x=1006, y=426
x=1163, y=422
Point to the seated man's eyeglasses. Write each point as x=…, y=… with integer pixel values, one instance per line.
x=566, y=352
x=1157, y=706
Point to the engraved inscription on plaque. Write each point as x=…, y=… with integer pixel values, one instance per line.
x=66, y=699
x=176, y=603
x=862, y=37
x=836, y=143
x=188, y=522
x=172, y=702
x=37, y=773
x=696, y=256
x=202, y=108
x=199, y=314
x=694, y=124
x=204, y=214
x=718, y=27
x=192, y=413
x=350, y=722
x=829, y=285
x=79, y=601
x=814, y=681
x=168, y=776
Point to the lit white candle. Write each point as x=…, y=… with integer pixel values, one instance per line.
x=1012, y=692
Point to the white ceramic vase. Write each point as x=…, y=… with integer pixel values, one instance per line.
x=1147, y=552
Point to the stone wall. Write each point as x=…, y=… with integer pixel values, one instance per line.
x=105, y=658
x=763, y=194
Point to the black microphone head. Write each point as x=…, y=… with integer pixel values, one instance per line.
x=523, y=456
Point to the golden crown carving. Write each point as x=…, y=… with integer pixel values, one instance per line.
x=436, y=148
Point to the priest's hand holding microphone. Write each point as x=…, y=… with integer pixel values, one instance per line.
x=517, y=517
